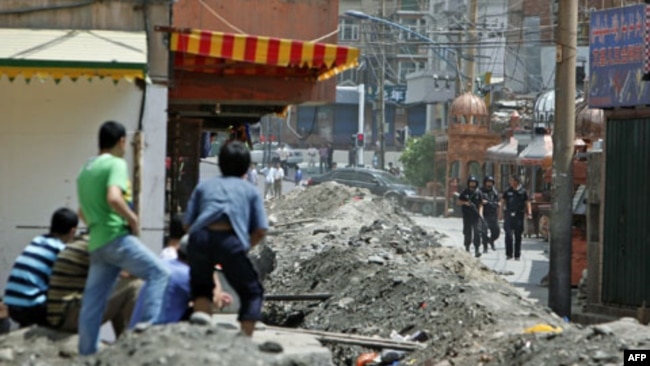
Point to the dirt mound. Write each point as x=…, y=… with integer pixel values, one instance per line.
x=315, y=201
x=387, y=275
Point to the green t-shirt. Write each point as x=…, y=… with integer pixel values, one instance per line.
x=95, y=177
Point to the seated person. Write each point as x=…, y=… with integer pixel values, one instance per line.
x=67, y=283
x=26, y=291
x=177, y=300
x=4, y=318
x=173, y=241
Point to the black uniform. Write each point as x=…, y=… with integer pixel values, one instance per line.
x=515, y=204
x=491, y=216
x=471, y=220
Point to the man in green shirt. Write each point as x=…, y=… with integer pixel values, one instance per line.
x=103, y=189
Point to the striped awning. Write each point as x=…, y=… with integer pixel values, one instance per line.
x=241, y=54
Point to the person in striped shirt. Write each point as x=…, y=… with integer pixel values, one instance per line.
x=28, y=282
x=67, y=284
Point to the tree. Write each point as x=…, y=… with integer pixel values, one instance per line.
x=418, y=160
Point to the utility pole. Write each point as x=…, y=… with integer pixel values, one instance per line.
x=563, y=139
x=471, y=51
x=381, y=119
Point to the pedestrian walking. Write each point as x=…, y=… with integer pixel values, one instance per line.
x=226, y=219
x=471, y=201
x=297, y=178
x=269, y=174
x=103, y=189
x=516, y=204
x=278, y=177
x=311, y=153
x=251, y=176
x=491, y=206
x=330, y=156
x=283, y=155
x=323, y=153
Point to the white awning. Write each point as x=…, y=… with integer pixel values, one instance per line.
x=73, y=53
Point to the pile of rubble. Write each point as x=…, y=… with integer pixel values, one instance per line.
x=380, y=276
x=386, y=275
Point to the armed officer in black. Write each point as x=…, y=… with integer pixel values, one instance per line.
x=515, y=204
x=471, y=200
x=490, y=213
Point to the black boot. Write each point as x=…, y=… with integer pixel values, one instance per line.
x=492, y=245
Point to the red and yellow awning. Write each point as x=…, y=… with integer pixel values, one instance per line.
x=240, y=54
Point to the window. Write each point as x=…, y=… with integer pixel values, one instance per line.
x=348, y=30
x=417, y=25
x=408, y=67
x=350, y=74
x=364, y=177
x=344, y=175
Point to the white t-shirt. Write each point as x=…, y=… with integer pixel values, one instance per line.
x=279, y=174
x=169, y=253
x=283, y=153
x=270, y=175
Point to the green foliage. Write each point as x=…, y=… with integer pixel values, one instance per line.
x=418, y=160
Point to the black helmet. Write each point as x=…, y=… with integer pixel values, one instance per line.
x=489, y=178
x=472, y=179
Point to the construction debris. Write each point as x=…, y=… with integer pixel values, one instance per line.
x=388, y=275
x=368, y=280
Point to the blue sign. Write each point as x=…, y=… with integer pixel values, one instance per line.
x=392, y=93
x=617, y=57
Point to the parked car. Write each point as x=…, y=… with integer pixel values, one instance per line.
x=257, y=154
x=378, y=182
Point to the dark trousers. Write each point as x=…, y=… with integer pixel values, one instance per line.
x=493, y=227
x=208, y=248
x=513, y=225
x=4, y=326
x=28, y=316
x=323, y=165
x=472, y=231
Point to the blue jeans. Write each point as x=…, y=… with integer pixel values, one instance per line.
x=129, y=254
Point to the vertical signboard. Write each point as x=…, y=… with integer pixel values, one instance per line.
x=617, y=56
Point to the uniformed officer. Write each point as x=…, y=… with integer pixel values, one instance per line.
x=515, y=203
x=472, y=202
x=490, y=213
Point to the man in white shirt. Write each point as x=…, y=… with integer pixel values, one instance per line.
x=311, y=153
x=278, y=176
x=283, y=155
x=251, y=176
x=269, y=176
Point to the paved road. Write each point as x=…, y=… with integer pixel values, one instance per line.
x=527, y=272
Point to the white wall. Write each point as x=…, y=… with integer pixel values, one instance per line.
x=153, y=182
x=47, y=131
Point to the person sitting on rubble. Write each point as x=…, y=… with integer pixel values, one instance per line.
x=177, y=301
x=176, y=233
x=226, y=219
x=471, y=200
x=26, y=291
x=4, y=318
x=67, y=284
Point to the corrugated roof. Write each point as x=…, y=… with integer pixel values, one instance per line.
x=74, y=45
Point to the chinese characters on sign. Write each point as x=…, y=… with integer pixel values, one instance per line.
x=617, y=54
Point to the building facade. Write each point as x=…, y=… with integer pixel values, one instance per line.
x=63, y=72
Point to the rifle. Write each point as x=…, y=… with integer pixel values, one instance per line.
x=473, y=206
